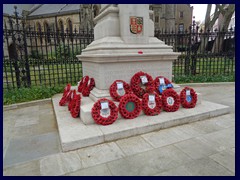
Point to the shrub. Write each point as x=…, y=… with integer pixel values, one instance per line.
x=30, y=94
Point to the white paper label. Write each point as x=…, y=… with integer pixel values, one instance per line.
x=119, y=85
x=89, y=82
x=161, y=80
x=188, y=92
x=151, y=98
x=104, y=105
x=144, y=79
x=170, y=101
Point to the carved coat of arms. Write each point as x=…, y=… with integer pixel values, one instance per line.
x=136, y=24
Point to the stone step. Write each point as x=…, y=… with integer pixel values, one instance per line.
x=74, y=134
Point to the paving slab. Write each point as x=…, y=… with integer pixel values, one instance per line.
x=60, y=164
x=200, y=167
x=226, y=158
x=134, y=145
x=222, y=139
x=196, y=148
x=99, y=154
x=149, y=163
x=31, y=168
x=99, y=170
x=165, y=137
x=29, y=148
x=75, y=134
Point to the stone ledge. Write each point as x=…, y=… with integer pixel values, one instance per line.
x=75, y=134
x=26, y=104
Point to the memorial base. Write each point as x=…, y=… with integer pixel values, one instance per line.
x=74, y=134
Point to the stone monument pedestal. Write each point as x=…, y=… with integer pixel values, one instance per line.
x=121, y=48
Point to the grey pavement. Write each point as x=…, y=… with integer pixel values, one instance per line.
x=204, y=148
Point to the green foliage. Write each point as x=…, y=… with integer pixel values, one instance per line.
x=35, y=54
x=63, y=51
x=30, y=94
x=203, y=79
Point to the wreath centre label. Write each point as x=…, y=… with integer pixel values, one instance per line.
x=130, y=106
x=170, y=101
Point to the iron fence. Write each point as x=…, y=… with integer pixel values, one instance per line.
x=205, y=53
x=32, y=57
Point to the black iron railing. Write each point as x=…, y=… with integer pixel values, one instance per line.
x=34, y=57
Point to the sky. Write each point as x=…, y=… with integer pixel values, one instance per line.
x=199, y=11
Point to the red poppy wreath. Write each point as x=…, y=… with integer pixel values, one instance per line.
x=188, y=97
x=104, y=112
x=161, y=86
x=151, y=104
x=71, y=100
x=83, y=83
x=170, y=100
x=66, y=95
x=75, y=107
x=88, y=87
x=118, y=89
x=130, y=106
x=142, y=83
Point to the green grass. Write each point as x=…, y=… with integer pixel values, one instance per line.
x=52, y=74
x=211, y=66
x=30, y=94
x=203, y=79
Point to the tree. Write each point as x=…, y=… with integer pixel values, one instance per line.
x=225, y=11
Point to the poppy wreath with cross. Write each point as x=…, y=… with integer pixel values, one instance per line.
x=170, y=100
x=159, y=89
x=114, y=90
x=156, y=107
x=188, y=101
x=130, y=106
x=88, y=87
x=66, y=95
x=75, y=107
x=98, y=116
x=83, y=83
x=136, y=84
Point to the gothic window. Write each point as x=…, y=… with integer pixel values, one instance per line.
x=47, y=31
x=69, y=26
x=38, y=27
x=46, y=26
x=70, y=29
x=156, y=19
x=61, y=26
x=39, y=31
x=181, y=14
x=181, y=28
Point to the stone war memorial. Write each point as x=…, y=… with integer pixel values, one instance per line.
x=126, y=89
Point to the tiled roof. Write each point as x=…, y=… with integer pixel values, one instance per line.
x=48, y=9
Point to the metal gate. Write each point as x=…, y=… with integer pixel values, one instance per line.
x=15, y=39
